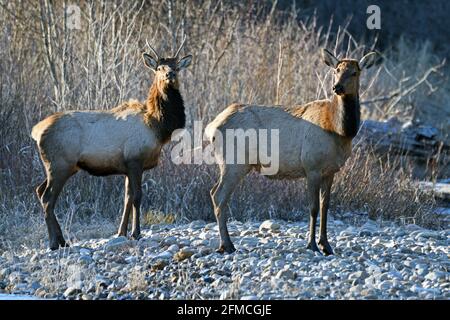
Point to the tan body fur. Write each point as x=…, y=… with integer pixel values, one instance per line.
x=296, y=126
x=100, y=142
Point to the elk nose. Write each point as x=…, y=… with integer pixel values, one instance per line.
x=338, y=88
x=170, y=75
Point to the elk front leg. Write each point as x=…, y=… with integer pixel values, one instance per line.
x=135, y=177
x=126, y=209
x=313, y=185
x=325, y=192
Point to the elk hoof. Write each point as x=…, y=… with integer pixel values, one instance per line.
x=313, y=247
x=55, y=245
x=226, y=248
x=136, y=236
x=121, y=234
x=326, y=248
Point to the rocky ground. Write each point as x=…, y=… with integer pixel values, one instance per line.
x=371, y=261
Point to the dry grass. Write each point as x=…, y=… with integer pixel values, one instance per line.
x=260, y=58
x=137, y=281
x=152, y=217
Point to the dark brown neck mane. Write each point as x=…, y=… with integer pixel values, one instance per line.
x=165, y=111
x=347, y=115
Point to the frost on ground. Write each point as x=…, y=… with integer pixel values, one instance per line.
x=371, y=261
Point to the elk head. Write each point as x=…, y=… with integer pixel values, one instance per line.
x=166, y=69
x=347, y=71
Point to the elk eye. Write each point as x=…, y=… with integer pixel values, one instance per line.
x=338, y=70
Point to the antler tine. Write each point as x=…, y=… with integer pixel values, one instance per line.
x=181, y=46
x=153, y=50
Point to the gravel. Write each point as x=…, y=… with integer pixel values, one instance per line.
x=371, y=261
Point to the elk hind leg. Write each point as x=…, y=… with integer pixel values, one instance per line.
x=55, y=183
x=220, y=194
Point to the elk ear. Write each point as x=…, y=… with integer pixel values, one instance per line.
x=329, y=58
x=368, y=60
x=149, y=61
x=184, y=62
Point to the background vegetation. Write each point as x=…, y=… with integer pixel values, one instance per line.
x=255, y=52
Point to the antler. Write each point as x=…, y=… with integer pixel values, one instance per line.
x=181, y=46
x=153, y=50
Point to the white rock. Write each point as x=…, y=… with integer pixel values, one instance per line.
x=71, y=291
x=269, y=225
x=184, y=254
x=34, y=258
x=210, y=226
x=428, y=234
x=111, y=296
x=213, y=242
x=117, y=243
x=85, y=252
x=165, y=255
x=349, y=232
x=155, y=238
x=184, y=243
x=85, y=260
x=131, y=259
x=285, y=274
x=148, y=243
x=173, y=248
x=197, y=224
x=249, y=241
x=424, y=291
x=435, y=275
x=370, y=225
x=385, y=285
x=170, y=241
x=358, y=275
x=200, y=243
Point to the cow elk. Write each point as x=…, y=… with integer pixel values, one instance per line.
x=126, y=140
x=315, y=141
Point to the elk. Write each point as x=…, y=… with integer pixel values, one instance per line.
x=315, y=141
x=126, y=140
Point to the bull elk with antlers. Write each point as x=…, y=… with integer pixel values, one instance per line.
x=126, y=140
x=315, y=141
